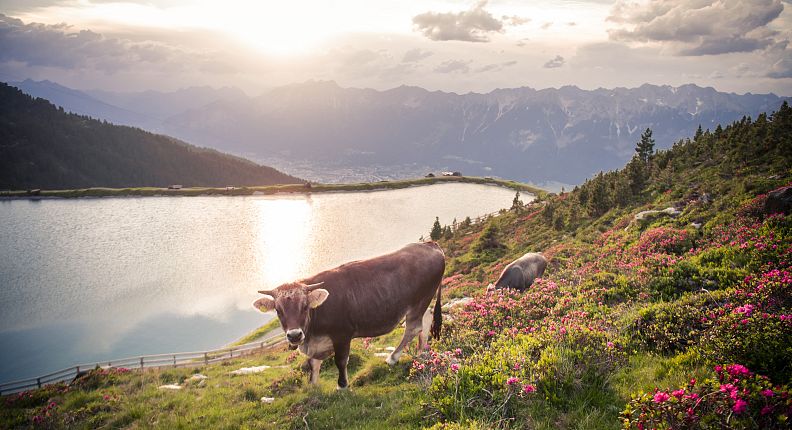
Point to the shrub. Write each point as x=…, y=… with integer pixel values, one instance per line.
x=736, y=399
x=670, y=327
x=664, y=240
x=550, y=364
x=615, y=288
x=762, y=341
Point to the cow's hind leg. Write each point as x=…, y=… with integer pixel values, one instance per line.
x=315, y=366
x=413, y=327
x=341, y=360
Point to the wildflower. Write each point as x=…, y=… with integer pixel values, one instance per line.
x=678, y=393
x=455, y=368
x=661, y=396
x=610, y=344
x=512, y=380
x=528, y=388
x=767, y=393
x=736, y=370
x=458, y=351
x=766, y=410
x=739, y=406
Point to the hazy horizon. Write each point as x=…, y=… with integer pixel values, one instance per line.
x=384, y=89
x=450, y=46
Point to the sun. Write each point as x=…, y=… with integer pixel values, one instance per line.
x=280, y=28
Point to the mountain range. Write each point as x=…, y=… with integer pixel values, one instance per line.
x=543, y=136
x=42, y=146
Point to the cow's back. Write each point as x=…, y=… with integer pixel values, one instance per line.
x=533, y=265
x=370, y=297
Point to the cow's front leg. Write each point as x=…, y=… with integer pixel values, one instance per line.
x=315, y=366
x=341, y=359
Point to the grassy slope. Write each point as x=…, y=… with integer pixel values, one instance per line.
x=581, y=247
x=275, y=189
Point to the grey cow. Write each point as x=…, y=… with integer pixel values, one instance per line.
x=522, y=272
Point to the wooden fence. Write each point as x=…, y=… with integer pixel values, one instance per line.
x=179, y=359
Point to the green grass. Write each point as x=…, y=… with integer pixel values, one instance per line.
x=259, y=333
x=273, y=189
x=380, y=396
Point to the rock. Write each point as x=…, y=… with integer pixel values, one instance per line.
x=250, y=370
x=779, y=201
x=381, y=354
x=267, y=400
x=696, y=225
x=198, y=380
x=390, y=348
x=652, y=214
x=170, y=387
x=457, y=302
x=705, y=198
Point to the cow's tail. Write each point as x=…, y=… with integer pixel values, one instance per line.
x=437, y=320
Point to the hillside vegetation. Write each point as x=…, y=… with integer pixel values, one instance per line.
x=41, y=146
x=680, y=319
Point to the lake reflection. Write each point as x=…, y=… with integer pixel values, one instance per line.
x=95, y=279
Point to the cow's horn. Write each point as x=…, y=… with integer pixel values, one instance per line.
x=267, y=292
x=316, y=285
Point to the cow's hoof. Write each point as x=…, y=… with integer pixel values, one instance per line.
x=340, y=388
x=391, y=360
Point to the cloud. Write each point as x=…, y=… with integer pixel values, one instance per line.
x=495, y=67
x=415, y=55
x=453, y=66
x=515, y=20
x=473, y=25
x=60, y=46
x=361, y=57
x=698, y=27
x=546, y=25
x=555, y=63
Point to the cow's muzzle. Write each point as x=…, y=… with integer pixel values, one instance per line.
x=295, y=336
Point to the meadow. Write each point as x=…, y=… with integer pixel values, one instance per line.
x=681, y=319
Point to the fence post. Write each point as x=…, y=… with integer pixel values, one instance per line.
x=78, y=369
x=206, y=358
x=38, y=382
x=174, y=360
x=141, y=363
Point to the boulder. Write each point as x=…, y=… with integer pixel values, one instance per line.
x=779, y=201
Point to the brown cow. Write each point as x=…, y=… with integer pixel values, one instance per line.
x=368, y=298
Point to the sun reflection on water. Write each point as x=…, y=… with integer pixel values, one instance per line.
x=282, y=231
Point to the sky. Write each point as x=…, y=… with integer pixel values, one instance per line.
x=460, y=46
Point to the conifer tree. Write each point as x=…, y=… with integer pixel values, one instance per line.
x=437, y=230
x=517, y=204
x=645, y=148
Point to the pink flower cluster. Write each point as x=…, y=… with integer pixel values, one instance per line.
x=737, y=395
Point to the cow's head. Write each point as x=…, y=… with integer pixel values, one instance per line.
x=293, y=302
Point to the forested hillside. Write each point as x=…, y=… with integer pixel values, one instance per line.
x=666, y=304
x=41, y=146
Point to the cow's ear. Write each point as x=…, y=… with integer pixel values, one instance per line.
x=317, y=297
x=264, y=304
